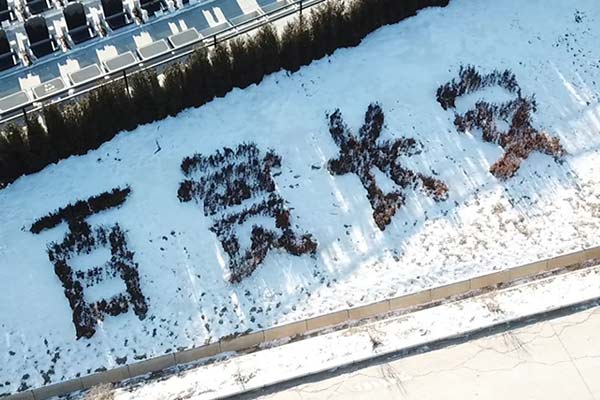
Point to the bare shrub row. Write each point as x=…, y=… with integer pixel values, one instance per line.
x=520, y=139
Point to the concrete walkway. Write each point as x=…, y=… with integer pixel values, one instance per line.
x=555, y=359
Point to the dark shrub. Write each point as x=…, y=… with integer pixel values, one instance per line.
x=14, y=154
x=360, y=154
x=289, y=55
x=221, y=70
x=267, y=50
x=103, y=114
x=147, y=98
x=41, y=151
x=243, y=58
x=174, y=89
x=198, y=75
x=62, y=125
x=328, y=27
x=521, y=138
x=230, y=178
x=81, y=238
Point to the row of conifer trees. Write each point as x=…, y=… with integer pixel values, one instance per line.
x=75, y=128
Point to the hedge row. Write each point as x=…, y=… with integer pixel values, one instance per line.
x=62, y=131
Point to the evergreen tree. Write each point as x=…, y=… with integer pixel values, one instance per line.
x=304, y=39
x=60, y=133
x=401, y=10
x=119, y=102
x=73, y=117
x=14, y=154
x=268, y=47
x=98, y=115
x=320, y=21
x=198, y=73
x=365, y=17
x=98, y=118
x=173, y=87
x=41, y=152
x=221, y=66
x=241, y=62
x=290, y=51
x=147, y=98
x=296, y=45
x=256, y=70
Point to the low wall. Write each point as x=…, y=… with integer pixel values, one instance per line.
x=300, y=328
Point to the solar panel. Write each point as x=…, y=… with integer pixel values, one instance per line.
x=14, y=101
x=6, y=55
x=114, y=14
x=182, y=38
x=213, y=30
x=154, y=49
x=77, y=23
x=240, y=19
x=4, y=45
x=4, y=11
x=112, y=7
x=39, y=37
x=47, y=88
x=37, y=6
x=75, y=15
x=74, y=21
x=85, y=74
x=152, y=6
x=276, y=5
x=121, y=61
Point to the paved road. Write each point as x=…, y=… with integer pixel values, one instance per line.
x=550, y=360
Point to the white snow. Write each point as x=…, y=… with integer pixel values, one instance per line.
x=415, y=330
x=485, y=225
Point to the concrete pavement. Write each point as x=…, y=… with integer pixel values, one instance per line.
x=555, y=359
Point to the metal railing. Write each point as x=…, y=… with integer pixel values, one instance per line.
x=71, y=93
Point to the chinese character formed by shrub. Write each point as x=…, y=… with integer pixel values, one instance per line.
x=361, y=154
x=82, y=239
x=236, y=186
x=520, y=139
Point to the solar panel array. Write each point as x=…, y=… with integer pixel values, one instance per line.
x=47, y=46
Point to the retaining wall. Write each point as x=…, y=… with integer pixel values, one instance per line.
x=300, y=328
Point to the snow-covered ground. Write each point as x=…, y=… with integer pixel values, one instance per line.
x=416, y=330
x=484, y=225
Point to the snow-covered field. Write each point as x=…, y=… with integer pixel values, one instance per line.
x=415, y=330
x=484, y=225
